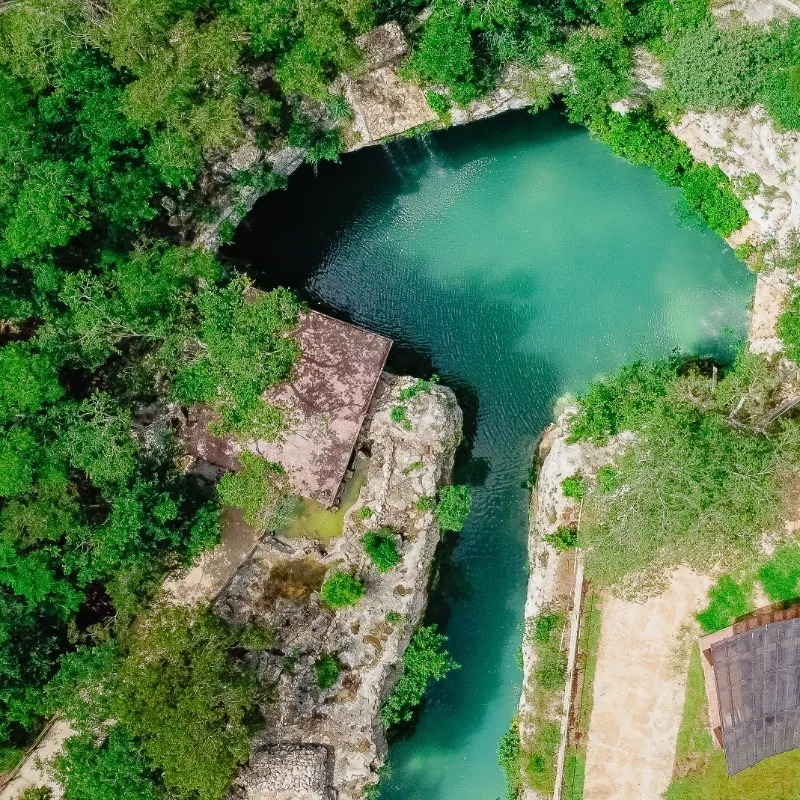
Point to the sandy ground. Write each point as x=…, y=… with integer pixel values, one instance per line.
x=31, y=773
x=639, y=690
x=205, y=580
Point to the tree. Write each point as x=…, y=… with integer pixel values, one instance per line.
x=118, y=769
x=455, y=503
x=445, y=52
x=258, y=489
x=424, y=659
x=181, y=694
x=242, y=350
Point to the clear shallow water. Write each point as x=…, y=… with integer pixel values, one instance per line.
x=518, y=259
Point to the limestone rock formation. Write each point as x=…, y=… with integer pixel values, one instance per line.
x=383, y=104
x=280, y=587
x=747, y=143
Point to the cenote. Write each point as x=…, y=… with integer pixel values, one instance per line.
x=517, y=259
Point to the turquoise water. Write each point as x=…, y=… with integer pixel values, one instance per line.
x=518, y=259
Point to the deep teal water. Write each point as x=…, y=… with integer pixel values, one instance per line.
x=518, y=259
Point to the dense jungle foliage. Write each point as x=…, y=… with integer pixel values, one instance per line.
x=111, y=115
x=699, y=481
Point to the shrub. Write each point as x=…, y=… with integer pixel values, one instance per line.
x=574, y=487
x=697, y=490
x=445, y=54
x=341, y=589
x=455, y=503
x=789, y=327
x=37, y=793
x=607, y=479
x=326, y=670
x=508, y=759
x=438, y=102
x=424, y=659
x=781, y=96
x=185, y=702
x=381, y=547
x=257, y=489
x=602, y=66
x=728, y=600
x=563, y=538
x=419, y=387
x=781, y=574
x=550, y=672
x=365, y=512
x=117, y=769
x=707, y=190
x=713, y=68
x=399, y=415
x=621, y=401
x=424, y=504
x=393, y=617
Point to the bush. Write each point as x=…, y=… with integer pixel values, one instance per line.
x=644, y=140
x=257, y=489
x=789, y=327
x=563, y=538
x=341, y=589
x=37, y=793
x=729, y=600
x=707, y=190
x=445, y=53
x=365, y=512
x=424, y=659
x=550, y=672
x=574, y=487
x=508, y=759
x=455, y=503
x=424, y=504
x=602, y=74
x=185, y=703
x=621, y=401
x=781, y=574
x=326, y=670
x=438, y=102
x=399, y=415
x=381, y=547
x=781, y=96
x=697, y=490
x=607, y=480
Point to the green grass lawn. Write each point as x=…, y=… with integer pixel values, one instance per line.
x=700, y=772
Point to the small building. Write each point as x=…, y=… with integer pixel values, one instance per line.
x=752, y=672
x=325, y=404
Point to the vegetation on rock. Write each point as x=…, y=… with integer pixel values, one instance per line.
x=452, y=510
x=424, y=659
x=381, y=547
x=341, y=589
x=326, y=671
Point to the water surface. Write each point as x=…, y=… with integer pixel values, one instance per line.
x=518, y=259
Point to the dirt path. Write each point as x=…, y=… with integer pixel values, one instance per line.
x=639, y=691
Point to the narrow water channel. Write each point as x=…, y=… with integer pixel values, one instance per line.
x=517, y=259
